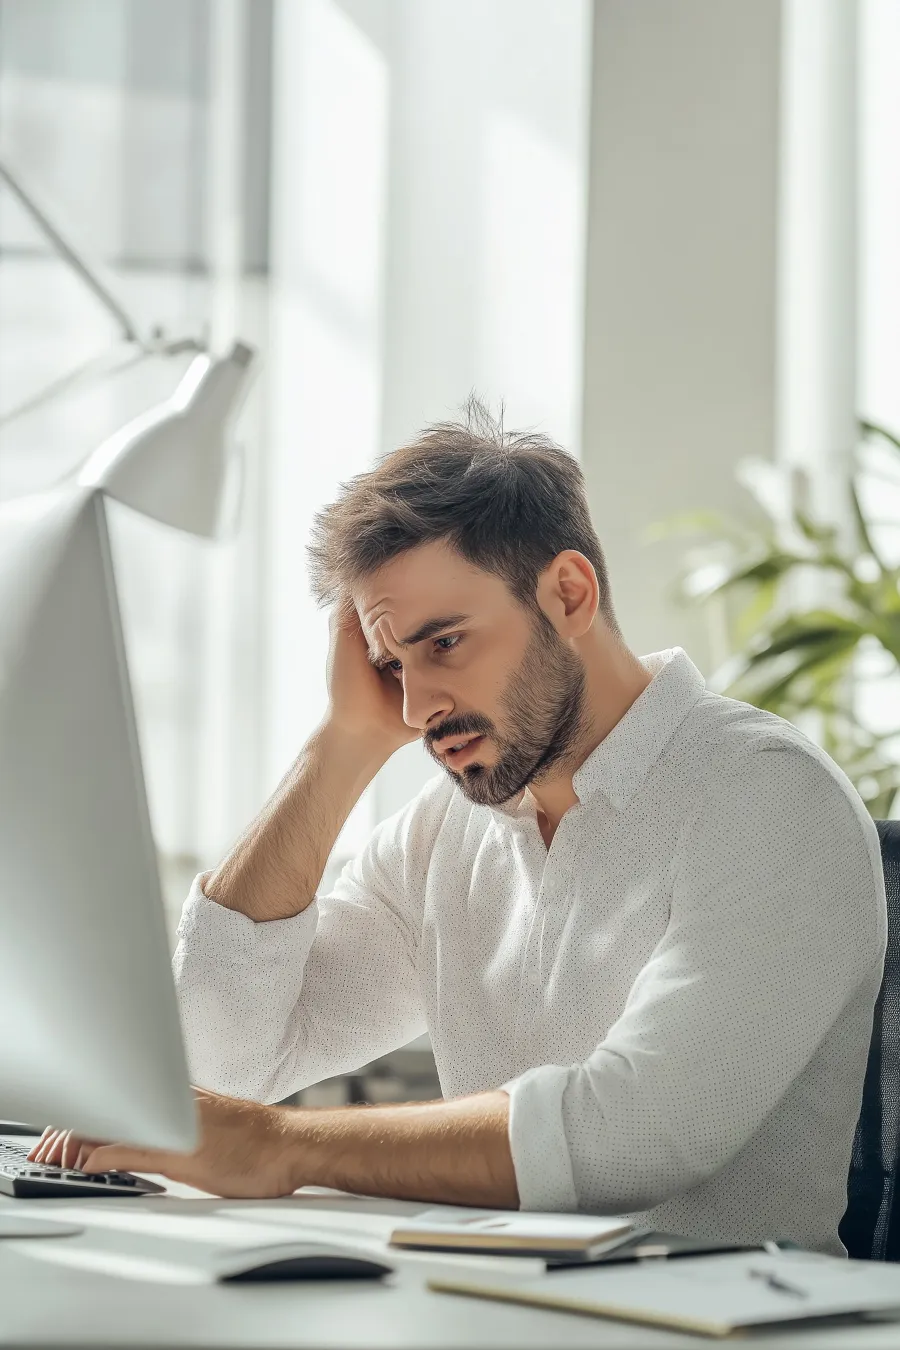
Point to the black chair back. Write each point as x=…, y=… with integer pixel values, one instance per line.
x=870, y=1228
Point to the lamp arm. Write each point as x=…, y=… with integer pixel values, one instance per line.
x=71, y=256
x=111, y=362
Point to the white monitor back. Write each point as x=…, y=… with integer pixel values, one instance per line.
x=90, y=1037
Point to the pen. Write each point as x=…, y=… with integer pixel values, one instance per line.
x=776, y=1282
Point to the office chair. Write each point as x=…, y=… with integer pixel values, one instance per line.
x=870, y=1228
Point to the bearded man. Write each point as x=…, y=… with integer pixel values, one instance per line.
x=643, y=924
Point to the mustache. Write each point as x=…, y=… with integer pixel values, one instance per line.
x=460, y=726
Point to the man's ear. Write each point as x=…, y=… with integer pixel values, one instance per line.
x=568, y=593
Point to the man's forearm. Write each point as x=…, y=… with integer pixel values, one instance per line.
x=274, y=869
x=446, y=1152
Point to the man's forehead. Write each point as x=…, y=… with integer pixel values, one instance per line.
x=397, y=611
x=417, y=585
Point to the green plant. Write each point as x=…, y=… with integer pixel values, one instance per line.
x=805, y=661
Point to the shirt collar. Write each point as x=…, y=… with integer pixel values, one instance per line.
x=626, y=754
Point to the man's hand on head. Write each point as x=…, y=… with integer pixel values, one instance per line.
x=364, y=702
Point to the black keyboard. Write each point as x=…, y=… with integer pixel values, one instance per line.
x=25, y=1179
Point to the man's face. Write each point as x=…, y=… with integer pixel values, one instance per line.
x=476, y=668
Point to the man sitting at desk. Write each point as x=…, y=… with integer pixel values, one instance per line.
x=644, y=924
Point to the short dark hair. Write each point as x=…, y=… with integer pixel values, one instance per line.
x=507, y=501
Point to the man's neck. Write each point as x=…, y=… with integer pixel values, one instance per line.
x=615, y=679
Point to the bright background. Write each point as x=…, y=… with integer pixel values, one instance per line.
x=665, y=232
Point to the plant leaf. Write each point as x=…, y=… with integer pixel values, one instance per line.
x=814, y=531
x=804, y=661
x=874, y=429
x=830, y=653
x=863, y=528
x=802, y=631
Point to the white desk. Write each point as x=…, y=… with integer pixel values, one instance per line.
x=107, y=1300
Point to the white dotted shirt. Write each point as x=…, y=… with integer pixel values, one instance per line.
x=677, y=997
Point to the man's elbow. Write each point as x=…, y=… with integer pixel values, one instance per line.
x=642, y=1169
x=639, y=1194
x=247, y=1080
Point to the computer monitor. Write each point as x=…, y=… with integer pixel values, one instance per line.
x=90, y=1037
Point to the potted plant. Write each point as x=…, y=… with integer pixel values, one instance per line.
x=807, y=609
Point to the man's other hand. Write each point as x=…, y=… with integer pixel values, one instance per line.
x=244, y=1151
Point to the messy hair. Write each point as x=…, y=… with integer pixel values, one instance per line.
x=508, y=502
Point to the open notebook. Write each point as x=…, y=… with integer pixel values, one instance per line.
x=722, y=1295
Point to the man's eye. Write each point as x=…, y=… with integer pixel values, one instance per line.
x=444, y=644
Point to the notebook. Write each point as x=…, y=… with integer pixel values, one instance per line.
x=716, y=1296
x=571, y=1238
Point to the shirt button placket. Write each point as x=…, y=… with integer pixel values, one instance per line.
x=532, y=983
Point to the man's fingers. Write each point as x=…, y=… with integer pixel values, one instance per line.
x=47, y=1144
x=33, y=1152
x=39, y=1146
x=63, y=1141
x=85, y=1148
x=121, y=1158
x=74, y=1148
x=61, y=1148
x=66, y=1149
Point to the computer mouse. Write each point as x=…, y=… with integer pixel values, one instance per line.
x=315, y=1263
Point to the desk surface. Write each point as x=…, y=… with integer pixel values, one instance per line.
x=102, y=1290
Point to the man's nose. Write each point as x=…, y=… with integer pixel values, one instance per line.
x=423, y=703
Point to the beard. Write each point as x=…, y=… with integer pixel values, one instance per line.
x=544, y=703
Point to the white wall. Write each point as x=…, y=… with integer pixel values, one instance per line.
x=331, y=97
x=819, y=206
x=879, y=327
x=680, y=333
x=880, y=222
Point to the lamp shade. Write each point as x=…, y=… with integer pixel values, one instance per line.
x=172, y=462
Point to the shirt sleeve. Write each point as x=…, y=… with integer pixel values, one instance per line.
x=268, y=1008
x=774, y=923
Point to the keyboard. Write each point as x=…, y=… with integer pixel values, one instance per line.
x=25, y=1179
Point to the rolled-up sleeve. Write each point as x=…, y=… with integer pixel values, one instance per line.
x=268, y=1008
x=773, y=925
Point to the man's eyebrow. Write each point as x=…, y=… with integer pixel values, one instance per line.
x=429, y=629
